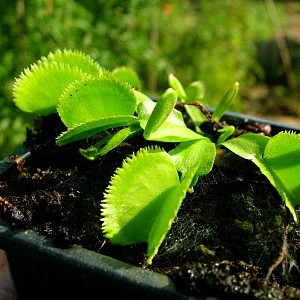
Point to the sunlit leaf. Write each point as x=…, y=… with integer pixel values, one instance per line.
x=39, y=87
x=110, y=142
x=86, y=130
x=75, y=59
x=173, y=128
x=92, y=98
x=224, y=103
x=177, y=86
x=143, y=199
x=198, y=152
x=164, y=106
x=278, y=159
x=136, y=193
x=128, y=75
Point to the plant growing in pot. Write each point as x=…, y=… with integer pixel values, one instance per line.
x=165, y=185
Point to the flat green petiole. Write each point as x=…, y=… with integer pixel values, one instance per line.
x=161, y=111
x=226, y=133
x=225, y=102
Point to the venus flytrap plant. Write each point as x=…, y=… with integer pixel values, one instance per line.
x=146, y=192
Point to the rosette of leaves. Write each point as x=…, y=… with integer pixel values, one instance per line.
x=146, y=192
x=88, y=98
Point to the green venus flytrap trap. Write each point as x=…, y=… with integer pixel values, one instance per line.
x=146, y=192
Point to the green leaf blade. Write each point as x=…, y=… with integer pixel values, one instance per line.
x=75, y=59
x=278, y=159
x=176, y=85
x=136, y=194
x=38, y=89
x=167, y=213
x=161, y=111
x=92, y=98
x=199, y=152
x=282, y=159
x=173, y=128
x=249, y=146
x=225, y=102
x=86, y=130
x=128, y=75
x=110, y=142
x=195, y=91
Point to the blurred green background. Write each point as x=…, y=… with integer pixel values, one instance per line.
x=218, y=42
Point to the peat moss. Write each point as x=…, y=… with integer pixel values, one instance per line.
x=225, y=240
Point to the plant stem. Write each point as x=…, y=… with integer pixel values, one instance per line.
x=205, y=112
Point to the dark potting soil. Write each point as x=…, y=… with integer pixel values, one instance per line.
x=233, y=236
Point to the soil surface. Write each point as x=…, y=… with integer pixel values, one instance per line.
x=233, y=237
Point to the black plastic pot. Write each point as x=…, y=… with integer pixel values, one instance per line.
x=41, y=271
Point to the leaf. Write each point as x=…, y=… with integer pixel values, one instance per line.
x=199, y=152
x=136, y=194
x=128, y=75
x=86, y=130
x=282, y=161
x=161, y=111
x=226, y=132
x=167, y=213
x=173, y=128
x=143, y=199
x=225, y=102
x=195, y=91
x=38, y=88
x=140, y=97
x=249, y=146
x=110, y=142
x=278, y=159
x=177, y=86
x=75, y=59
x=92, y=98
